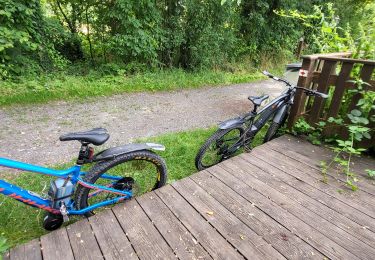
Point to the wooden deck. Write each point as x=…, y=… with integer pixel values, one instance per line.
x=267, y=204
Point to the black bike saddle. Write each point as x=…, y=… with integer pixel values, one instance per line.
x=96, y=136
x=257, y=100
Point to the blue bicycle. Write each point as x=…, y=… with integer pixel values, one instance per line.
x=119, y=174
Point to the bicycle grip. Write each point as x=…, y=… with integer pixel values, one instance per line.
x=267, y=74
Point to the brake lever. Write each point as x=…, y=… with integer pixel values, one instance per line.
x=316, y=93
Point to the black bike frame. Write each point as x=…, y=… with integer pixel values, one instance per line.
x=269, y=110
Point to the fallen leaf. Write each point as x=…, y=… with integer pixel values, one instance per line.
x=209, y=213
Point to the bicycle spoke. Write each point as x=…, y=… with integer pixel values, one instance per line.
x=223, y=147
x=138, y=177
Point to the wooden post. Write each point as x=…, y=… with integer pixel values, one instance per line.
x=322, y=87
x=308, y=64
x=300, y=47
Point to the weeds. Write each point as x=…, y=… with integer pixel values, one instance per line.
x=61, y=86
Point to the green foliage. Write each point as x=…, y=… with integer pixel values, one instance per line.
x=356, y=123
x=134, y=31
x=209, y=34
x=371, y=173
x=313, y=132
x=24, y=45
x=191, y=34
x=357, y=132
x=325, y=32
x=38, y=36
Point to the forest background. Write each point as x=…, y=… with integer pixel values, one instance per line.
x=53, y=46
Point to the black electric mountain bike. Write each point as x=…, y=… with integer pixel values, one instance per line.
x=239, y=132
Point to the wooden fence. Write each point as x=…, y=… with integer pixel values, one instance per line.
x=330, y=73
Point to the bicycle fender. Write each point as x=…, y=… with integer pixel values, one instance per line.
x=280, y=114
x=239, y=121
x=128, y=148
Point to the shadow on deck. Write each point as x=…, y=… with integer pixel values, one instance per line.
x=267, y=204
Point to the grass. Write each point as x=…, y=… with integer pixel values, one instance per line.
x=63, y=86
x=20, y=223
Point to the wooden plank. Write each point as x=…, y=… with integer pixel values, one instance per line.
x=83, y=241
x=283, y=183
x=347, y=60
x=55, y=245
x=111, y=239
x=333, y=232
x=339, y=89
x=317, y=107
x=184, y=245
x=312, y=155
x=284, y=241
x=347, y=85
x=31, y=250
x=291, y=164
x=205, y=234
x=259, y=193
x=144, y=237
x=326, y=195
x=334, y=55
x=244, y=239
x=300, y=145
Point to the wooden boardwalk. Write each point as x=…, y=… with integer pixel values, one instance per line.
x=267, y=204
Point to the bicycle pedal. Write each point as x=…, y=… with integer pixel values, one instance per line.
x=64, y=212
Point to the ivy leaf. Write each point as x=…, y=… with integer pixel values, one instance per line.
x=322, y=124
x=358, y=136
x=361, y=102
x=363, y=120
x=371, y=173
x=367, y=135
x=356, y=112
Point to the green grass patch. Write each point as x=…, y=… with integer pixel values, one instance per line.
x=61, y=86
x=20, y=223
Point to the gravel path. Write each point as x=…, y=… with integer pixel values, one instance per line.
x=30, y=133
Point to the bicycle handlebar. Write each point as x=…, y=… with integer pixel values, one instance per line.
x=307, y=91
x=311, y=92
x=270, y=75
x=276, y=78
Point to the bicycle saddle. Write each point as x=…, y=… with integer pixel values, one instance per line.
x=95, y=136
x=257, y=101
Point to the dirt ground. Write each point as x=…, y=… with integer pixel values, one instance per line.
x=31, y=133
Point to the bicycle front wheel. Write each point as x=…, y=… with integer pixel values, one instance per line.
x=220, y=146
x=138, y=172
x=274, y=127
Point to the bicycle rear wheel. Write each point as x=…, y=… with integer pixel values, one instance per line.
x=139, y=172
x=218, y=147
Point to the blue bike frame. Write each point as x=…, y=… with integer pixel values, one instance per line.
x=75, y=176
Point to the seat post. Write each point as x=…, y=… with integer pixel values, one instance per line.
x=255, y=107
x=84, y=153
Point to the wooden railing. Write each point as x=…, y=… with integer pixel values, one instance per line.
x=322, y=72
